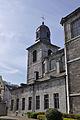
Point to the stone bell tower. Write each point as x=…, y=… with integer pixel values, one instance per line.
x=37, y=52
x=43, y=33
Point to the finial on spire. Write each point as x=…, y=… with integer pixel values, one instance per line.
x=43, y=20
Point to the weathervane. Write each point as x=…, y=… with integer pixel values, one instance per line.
x=43, y=19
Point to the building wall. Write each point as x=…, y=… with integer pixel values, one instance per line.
x=75, y=104
x=42, y=52
x=41, y=88
x=3, y=109
x=1, y=89
x=72, y=52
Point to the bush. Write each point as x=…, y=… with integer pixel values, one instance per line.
x=32, y=114
x=53, y=114
x=29, y=114
x=41, y=113
x=73, y=116
x=69, y=119
x=41, y=117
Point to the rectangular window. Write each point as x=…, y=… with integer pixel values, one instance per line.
x=37, y=102
x=0, y=90
x=17, y=104
x=34, y=56
x=0, y=98
x=56, y=100
x=29, y=103
x=53, y=65
x=43, y=67
x=12, y=104
x=23, y=103
x=75, y=28
x=46, y=101
x=36, y=75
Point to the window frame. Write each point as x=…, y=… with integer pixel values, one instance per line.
x=43, y=67
x=34, y=56
x=12, y=104
x=46, y=101
x=37, y=102
x=72, y=34
x=17, y=104
x=0, y=90
x=23, y=103
x=56, y=100
x=51, y=69
x=29, y=103
x=49, y=52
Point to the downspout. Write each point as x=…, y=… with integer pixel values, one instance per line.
x=67, y=80
x=33, y=99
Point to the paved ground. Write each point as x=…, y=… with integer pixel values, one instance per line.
x=15, y=118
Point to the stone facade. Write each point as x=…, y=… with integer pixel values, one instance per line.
x=3, y=109
x=72, y=53
x=51, y=86
x=2, y=87
x=46, y=72
x=47, y=61
x=42, y=52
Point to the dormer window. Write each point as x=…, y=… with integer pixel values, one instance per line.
x=75, y=28
x=34, y=56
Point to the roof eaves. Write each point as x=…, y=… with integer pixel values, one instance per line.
x=63, y=20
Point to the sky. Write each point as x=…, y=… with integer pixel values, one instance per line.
x=19, y=20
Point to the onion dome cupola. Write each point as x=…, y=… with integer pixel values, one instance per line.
x=43, y=33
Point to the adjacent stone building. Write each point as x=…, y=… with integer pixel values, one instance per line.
x=2, y=87
x=53, y=74
x=71, y=24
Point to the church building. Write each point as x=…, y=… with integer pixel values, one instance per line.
x=53, y=74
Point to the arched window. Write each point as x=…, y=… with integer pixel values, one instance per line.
x=34, y=56
x=37, y=35
x=53, y=65
x=49, y=52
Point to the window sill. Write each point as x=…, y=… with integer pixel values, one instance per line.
x=52, y=70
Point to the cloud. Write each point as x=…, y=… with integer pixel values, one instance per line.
x=7, y=34
x=6, y=69
x=5, y=42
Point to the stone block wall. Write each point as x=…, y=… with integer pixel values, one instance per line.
x=3, y=109
x=41, y=88
x=72, y=52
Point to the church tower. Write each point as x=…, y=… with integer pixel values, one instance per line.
x=37, y=52
x=43, y=33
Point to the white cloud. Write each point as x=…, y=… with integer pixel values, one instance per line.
x=7, y=34
x=5, y=42
x=6, y=69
